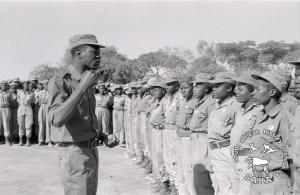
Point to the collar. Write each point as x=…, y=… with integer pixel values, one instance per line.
x=251, y=107
x=74, y=73
x=272, y=114
x=227, y=103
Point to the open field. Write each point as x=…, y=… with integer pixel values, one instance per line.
x=34, y=171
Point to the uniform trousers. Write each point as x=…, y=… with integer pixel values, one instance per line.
x=118, y=125
x=103, y=119
x=296, y=186
x=157, y=157
x=221, y=161
x=240, y=170
x=25, y=120
x=148, y=142
x=127, y=128
x=200, y=163
x=44, y=126
x=5, y=116
x=170, y=153
x=143, y=130
x=14, y=122
x=184, y=180
x=79, y=170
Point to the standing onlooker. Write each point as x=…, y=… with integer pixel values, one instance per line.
x=5, y=115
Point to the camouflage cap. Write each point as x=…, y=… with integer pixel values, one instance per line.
x=83, y=39
x=245, y=78
x=203, y=78
x=224, y=77
x=272, y=77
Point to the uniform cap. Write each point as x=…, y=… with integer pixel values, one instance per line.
x=4, y=83
x=158, y=83
x=150, y=81
x=285, y=75
x=83, y=39
x=16, y=80
x=295, y=62
x=187, y=78
x=223, y=77
x=202, y=78
x=171, y=77
x=245, y=78
x=272, y=77
x=13, y=84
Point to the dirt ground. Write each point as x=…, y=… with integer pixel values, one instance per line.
x=34, y=171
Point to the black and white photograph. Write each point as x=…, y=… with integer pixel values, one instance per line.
x=150, y=97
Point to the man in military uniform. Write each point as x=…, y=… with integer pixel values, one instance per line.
x=73, y=120
x=25, y=99
x=220, y=123
x=199, y=160
x=271, y=139
x=295, y=138
x=14, y=111
x=186, y=109
x=244, y=121
x=171, y=107
x=5, y=115
x=43, y=118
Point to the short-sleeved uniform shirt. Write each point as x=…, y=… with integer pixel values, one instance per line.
x=184, y=116
x=82, y=126
x=103, y=101
x=157, y=115
x=25, y=100
x=199, y=121
x=289, y=102
x=5, y=99
x=245, y=120
x=221, y=120
x=171, y=107
x=42, y=97
x=119, y=102
x=271, y=137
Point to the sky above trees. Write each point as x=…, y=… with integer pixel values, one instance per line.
x=34, y=33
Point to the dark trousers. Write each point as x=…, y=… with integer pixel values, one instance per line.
x=202, y=180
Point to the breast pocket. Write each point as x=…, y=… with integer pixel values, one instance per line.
x=201, y=117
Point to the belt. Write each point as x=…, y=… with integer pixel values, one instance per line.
x=221, y=144
x=4, y=106
x=271, y=173
x=159, y=127
x=243, y=152
x=85, y=144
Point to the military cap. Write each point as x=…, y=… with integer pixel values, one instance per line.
x=158, y=83
x=4, y=83
x=129, y=91
x=202, y=78
x=295, y=62
x=285, y=75
x=13, y=84
x=83, y=39
x=16, y=80
x=272, y=77
x=245, y=78
x=138, y=84
x=186, y=78
x=171, y=77
x=223, y=77
x=150, y=81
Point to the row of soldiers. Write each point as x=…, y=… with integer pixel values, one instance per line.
x=223, y=135
x=23, y=112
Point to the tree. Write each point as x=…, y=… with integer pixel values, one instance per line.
x=205, y=64
x=46, y=71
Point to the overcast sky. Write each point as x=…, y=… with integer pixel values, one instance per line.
x=33, y=33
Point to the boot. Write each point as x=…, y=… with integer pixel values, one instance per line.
x=148, y=169
x=28, y=141
x=156, y=187
x=21, y=143
x=7, y=141
x=145, y=162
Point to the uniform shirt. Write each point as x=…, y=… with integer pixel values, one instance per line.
x=221, y=120
x=82, y=126
x=14, y=101
x=157, y=115
x=295, y=139
x=103, y=101
x=245, y=120
x=272, y=131
x=119, y=101
x=5, y=98
x=171, y=107
x=25, y=100
x=150, y=106
x=289, y=102
x=42, y=97
x=135, y=103
x=127, y=104
x=199, y=121
x=143, y=103
x=184, y=116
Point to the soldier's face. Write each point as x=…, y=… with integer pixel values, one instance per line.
x=220, y=91
x=171, y=87
x=3, y=88
x=25, y=86
x=90, y=57
x=13, y=89
x=243, y=94
x=45, y=86
x=199, y=90
x=297, y=82
x=186, y=90
x=157, y=92
x=261, y=94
